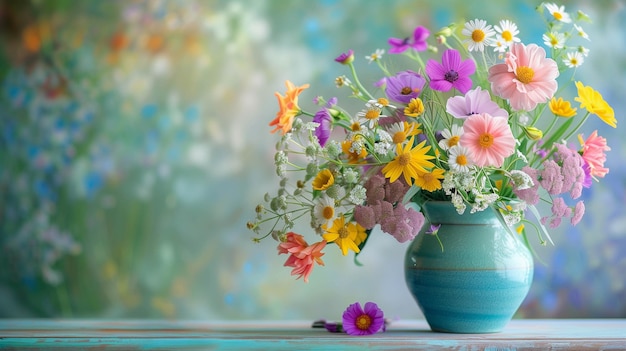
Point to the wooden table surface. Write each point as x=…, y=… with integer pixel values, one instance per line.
x=540, y=334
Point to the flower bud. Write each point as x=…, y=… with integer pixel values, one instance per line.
x=346, y=57
x=533, y=133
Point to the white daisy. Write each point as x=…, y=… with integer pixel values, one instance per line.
x=479, y=33
x=558, y=12
x=377, y=55
x=508, y=32
x=324, y=211
x=459, y=159
x=574, y=59
x=583, y=50
x=554, y=40
x=370, y=115
x=500, y=45
x=581, y=32
x=451, y=137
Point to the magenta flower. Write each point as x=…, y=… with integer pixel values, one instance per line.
x=346, y=57
x=475, y=101
x=452, y=72
x=418, y=41
x=358, y=321
x=322, y=132
x=404, y=86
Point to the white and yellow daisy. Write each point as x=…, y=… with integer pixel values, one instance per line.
x=370, y=115
x=554, y=40
x=379, y=103
x=451, y=137
x=574, y=59
x=459, y=159
x=581, y=32
x=558, y=12
x=500, y=45
x=324, y=211
x=479, y=33
x=375, y=56
x=508, y=32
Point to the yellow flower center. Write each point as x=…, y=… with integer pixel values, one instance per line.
x=453, y=141
x=461, y=160
x=557, y=15
x=328, y=212
x=478, y=35
x=485, y=140
x=363, y=322
x=404, y=159
x=574, y=62
x=525, y=74
x=343, y=233
x=507, y=36
x=372, y=114
x=383, y=101
x=399, y=137
x=427, y=177
x=355, y=127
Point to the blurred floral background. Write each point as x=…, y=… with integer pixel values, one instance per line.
x=134, y=146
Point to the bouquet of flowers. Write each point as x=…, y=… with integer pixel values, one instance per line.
x=480, y=119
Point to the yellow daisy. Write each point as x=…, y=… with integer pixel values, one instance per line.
x=592, y=101
x=409, y=161
x=430, y=181
x=562, y=107
x=345, y=235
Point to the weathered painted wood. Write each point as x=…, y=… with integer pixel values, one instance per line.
x=565, y=334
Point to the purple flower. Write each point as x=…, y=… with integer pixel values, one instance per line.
x=418, y=41
x=475, y=101
x=322, y=132
x=358, y=321
x=452, y=72
x=346, y=57
x=404, y=86
x=434, y=229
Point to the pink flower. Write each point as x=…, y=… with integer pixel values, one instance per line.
x=488, y=139
x=593, y=153
x=579, y=211
x=302, y=255
x=529, y=195
x=475, y=101
x=527, y=77
x=418, y=42
x=452, y=72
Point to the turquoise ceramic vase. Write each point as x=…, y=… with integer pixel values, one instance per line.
x=478, y=281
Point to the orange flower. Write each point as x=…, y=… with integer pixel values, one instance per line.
x=289, y=108
x=302, y=256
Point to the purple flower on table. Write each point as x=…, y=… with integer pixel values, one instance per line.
x=322, y=132
x=404, y=86
x=452, y=72
x=418, y=42
x=475, y=101
x=363, y=321
x=346, y=57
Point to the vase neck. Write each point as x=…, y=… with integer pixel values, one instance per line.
x=444, y=212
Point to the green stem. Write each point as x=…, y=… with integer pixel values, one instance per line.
x=358, y=82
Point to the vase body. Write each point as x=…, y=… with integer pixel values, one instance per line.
x=477, y=281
